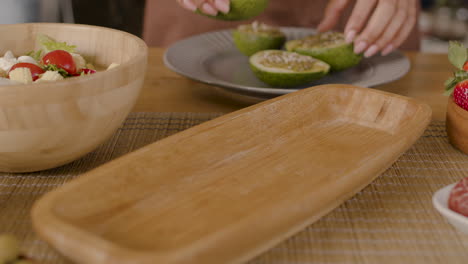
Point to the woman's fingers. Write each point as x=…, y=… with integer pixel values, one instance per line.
x=404, y=32
x=358, y=19
x=332, y=14
x=380, y=25
x=397, y=22
x=222, y=5
x=209, y=7
x=375, y=27
x=188, y=4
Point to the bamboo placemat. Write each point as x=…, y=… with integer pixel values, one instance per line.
x=390, y=221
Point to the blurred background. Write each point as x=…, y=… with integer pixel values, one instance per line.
x=440, y=20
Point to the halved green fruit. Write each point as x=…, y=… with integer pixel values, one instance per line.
x=329, y=47
x=242, y=10
x=286, y=69
x=255, y=37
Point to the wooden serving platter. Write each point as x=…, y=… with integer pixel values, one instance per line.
x=229, y=189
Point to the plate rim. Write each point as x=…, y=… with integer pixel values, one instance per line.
x=262, y=92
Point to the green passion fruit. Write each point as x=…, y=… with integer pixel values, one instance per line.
x=329, y=47
x=252, y=38
x=242, y=10
x=286, y=69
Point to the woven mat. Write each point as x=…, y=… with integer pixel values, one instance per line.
x=390, y=221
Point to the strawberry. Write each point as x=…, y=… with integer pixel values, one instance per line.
x=465, y=66
x=460, y=94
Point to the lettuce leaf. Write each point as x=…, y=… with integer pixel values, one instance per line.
x=52, y=67
x=48, y=44
x=37, y=55
x=457, y=54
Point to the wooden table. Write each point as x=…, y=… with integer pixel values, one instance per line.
x=166, y=91
x=390, y=221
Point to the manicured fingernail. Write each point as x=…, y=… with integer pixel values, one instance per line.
x=322, y=26
x=360, y=47
x=189, y=4
x=371, y=51
x=350, y=36
x=387, y=50
x=222, y=5
x=209, y=10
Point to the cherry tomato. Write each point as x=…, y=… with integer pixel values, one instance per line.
x=465, y=66
x=35, y=70
x=61, y=59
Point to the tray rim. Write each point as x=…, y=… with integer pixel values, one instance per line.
x=46, y=223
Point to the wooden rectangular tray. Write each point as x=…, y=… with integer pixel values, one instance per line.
x=229, y=189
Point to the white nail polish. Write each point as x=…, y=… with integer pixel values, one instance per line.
x=371, y=51
x=190, y=5
x=209, y=10
x=360, y=47
x=222, y=5
x=387, y=50
x=350, y=36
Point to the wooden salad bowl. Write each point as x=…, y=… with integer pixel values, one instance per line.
x=457, y=126
x=44, y=125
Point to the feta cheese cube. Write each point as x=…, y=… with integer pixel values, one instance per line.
x=49, y=76
x=9, y=55
x=7, y=61
x=21, y=75
x=27, y=59
x=79, y=61
x=6, y=64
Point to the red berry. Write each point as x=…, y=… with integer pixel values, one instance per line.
x=460, y=94
x=89, y=71
x=85, y=71
x=465, y=66
x=458, y=199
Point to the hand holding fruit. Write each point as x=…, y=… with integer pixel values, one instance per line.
x=374, y=25
x=209, y=7
x=226, y=9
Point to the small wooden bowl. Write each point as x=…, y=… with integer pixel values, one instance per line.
x=45, y=125
x=457, y=126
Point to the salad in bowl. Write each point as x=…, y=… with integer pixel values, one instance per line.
x=52, y=62
x=53, y=109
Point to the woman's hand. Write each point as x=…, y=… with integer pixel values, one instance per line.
x=209, y=7
x=374, y=25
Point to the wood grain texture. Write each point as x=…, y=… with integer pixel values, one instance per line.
x=226, y=190
x=166, y=91
x=49, y=124
x=457, y=126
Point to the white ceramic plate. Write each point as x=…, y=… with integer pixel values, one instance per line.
x=440, y=201
x=212, y=58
